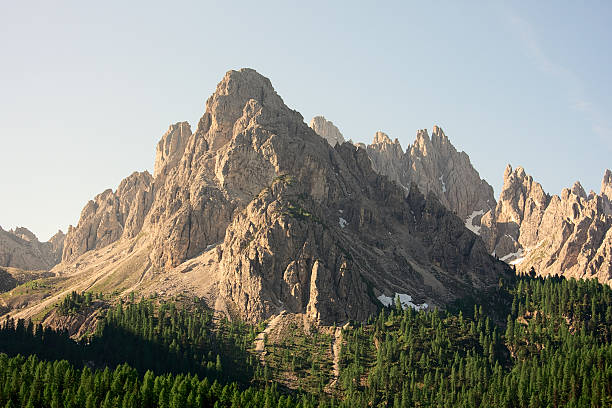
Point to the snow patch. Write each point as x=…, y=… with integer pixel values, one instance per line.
x=519, y=256
x=469, y=222
x=511, y=237
x=405, y=301
x=343, y=223
x=514, y=258
x=211, y=246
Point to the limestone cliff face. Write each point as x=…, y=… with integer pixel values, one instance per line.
x=515, y=221
x=435, y=166
x=110, y=215
x=567, y=234
x=327, y=130
x=388, y=159
x=171, y=147
x=21, y=249
x=267, y=215
x=606, y=192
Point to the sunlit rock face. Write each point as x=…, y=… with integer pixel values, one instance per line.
x=20, y=248
x=435, y=167
x=327, y=130
x=264, y=215
x=568, y=234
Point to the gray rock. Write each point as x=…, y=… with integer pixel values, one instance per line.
x=327, y=130
x=21, y=249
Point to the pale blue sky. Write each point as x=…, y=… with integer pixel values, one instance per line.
x=88, y=88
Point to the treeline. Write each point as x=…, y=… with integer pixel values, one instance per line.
x=555, y=351
x=74, y=303
x=163, y=339
x=30, y=382
x=168, y=338
x=537, y=343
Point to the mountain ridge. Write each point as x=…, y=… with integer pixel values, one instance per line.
x=435, y=166
x=257, y=213
x=569, y=234
x=20, y=248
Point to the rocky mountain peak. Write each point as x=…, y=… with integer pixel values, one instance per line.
x=110, y=215
x=261, y=214
x=24, y=234
x=229, y=102
x=381, y=138
x=327, y=130
x=568, y=234
x=606, y=184
x=435, y=166
x=518, y=180
x=171, y=147
x=507, y=172
x=519, y=175
x=20, y=248
x=519, y=211
x=578, y=190
x=422, y=141
x=438, y=137
x=387, y=158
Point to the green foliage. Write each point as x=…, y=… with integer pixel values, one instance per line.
x=555, y=350
x=168, y=338
x=31, y=382
x=530, y=343
x=298, y=212
x=74, y=303
x=300, y=358
x=148, y=337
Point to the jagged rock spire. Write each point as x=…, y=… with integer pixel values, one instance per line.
x=327, y=130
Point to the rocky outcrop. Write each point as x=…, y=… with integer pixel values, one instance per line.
x=19, y=248
x=110, y=215
x=606, y=192
x=276, y=218
x=327, y=130
x=171, y=147
x=388, y=159
x=567, y=234
x=435, y=166
x=515, y=221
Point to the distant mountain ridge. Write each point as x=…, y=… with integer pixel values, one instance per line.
x=256, y=213
x=564, y=235
x=568, y=234
x=435, y=166
x=20, y=248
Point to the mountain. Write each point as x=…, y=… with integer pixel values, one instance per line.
x=327, y=130
x=435, y=166
x=258, y=214
x=568, y=234
x=559, y=235
x=110, y=216
x=19, y=248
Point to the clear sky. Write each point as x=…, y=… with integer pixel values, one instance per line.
x=88, y=88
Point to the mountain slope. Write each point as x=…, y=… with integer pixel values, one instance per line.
x=21, y=249
x=257, y=213
x=434, y=165
x=568, y=234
